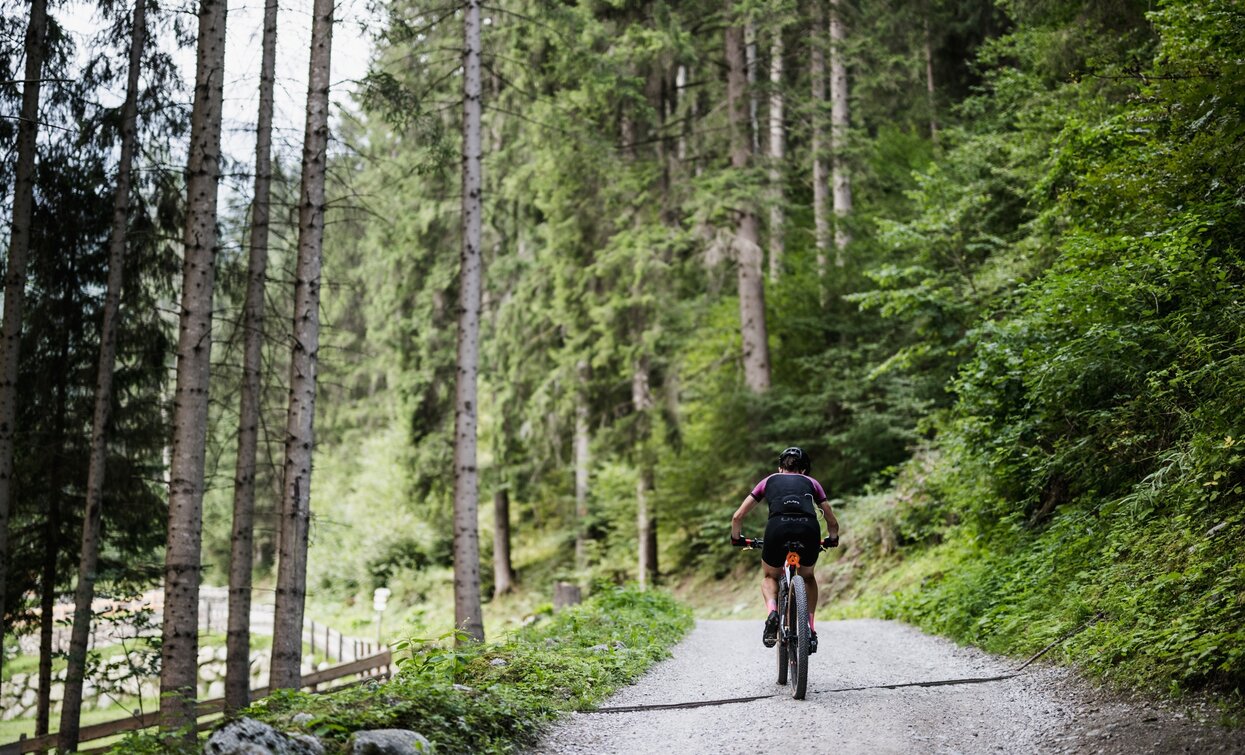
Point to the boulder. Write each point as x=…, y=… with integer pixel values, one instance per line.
x=388, y=742
x=302, y=719
x=246, y=736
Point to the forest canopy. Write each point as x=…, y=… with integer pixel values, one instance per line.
x=980, y=258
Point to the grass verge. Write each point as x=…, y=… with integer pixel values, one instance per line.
x=492, y=697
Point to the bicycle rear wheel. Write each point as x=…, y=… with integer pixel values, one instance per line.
x=798, y=653
x=782, y=632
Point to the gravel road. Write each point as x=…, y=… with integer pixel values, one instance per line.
x=1041, y=710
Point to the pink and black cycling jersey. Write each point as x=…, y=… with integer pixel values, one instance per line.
x=790, y=494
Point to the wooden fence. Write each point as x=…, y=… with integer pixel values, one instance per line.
x=375, y=666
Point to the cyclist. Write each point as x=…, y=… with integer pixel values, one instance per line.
x=793, y=498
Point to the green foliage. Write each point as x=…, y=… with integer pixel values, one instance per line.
x=1092, y=463
x=496, y=697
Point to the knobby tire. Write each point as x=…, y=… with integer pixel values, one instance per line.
x=799, y=654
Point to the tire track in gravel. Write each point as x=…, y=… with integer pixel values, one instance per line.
x=1044, y=709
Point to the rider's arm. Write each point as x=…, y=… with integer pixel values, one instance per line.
x=737, y=521
x=832, y=524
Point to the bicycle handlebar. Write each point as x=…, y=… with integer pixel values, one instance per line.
x=749, y=543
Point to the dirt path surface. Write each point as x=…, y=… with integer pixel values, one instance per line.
x=1040, y=710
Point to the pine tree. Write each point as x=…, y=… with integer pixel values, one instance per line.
x=839, y=124
x=242, y=541
x=777, y=154
x=751, y=285
x=287, y=634
x=180, y=635
x=84, y=594
x=467, y=605
x=15, y=276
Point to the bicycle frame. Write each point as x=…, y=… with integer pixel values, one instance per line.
x=793, y=628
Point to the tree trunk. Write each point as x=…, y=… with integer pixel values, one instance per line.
x=680, y=83
x=839, y=122
x=583, y=465
x=754, y=105
x=467, y=609
x=238, y=637
x=180, y=648
x=777, y=153
x=821, y=184
x=15, y=275
x=47, y=602
x=646, y=532
x=751, y=286
x=503, y=572
x=646, y=527
x=929, y=81
x=88, y=560
x=287, y=633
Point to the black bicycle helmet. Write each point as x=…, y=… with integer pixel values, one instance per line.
x=802, y=463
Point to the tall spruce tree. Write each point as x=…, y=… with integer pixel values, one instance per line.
x=467, y=604
x=287, y=633
x=88, y=560
x=15, y=276
x=242, y=540
x=179, y=648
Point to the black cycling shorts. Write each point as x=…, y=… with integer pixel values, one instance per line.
x=781, y=530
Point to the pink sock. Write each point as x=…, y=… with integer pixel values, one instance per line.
x=812, y=623
x=771, y=605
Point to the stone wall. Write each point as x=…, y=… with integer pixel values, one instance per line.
x=19, y=696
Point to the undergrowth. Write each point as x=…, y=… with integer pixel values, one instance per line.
x=491, y=697
x=1163, y=593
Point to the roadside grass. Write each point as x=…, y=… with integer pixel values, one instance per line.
x=1166, y=598
x=492, y=697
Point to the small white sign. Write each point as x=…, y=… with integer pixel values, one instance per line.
x=380, y=598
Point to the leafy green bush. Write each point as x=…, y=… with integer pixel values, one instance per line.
x=493, y=697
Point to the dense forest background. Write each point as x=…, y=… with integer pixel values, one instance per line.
x=993, y=249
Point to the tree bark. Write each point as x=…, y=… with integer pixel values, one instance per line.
x=751, y=285
x=15, y=275
x=646, y=528
x=821, y=183
x=680, y=83
x=180, y=648
x=503, y=571
x=467, y=606
x=777, y=153
x=929, y=81
x=287, y=633
x=839, y=122
x=754, y=104
x=583, y=465
x=238, y=637
x=47, y=602
x=88, y=560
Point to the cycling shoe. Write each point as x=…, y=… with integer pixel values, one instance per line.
x=812, y=643
x=770, y=637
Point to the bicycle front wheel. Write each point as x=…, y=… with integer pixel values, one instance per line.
x=798, y=653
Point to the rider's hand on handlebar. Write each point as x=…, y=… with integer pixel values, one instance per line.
x=830, y=542
x=739, y=541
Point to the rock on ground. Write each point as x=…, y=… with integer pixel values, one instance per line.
x=246, y=736
x=388, y=742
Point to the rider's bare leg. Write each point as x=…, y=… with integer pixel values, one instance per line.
x=769, y=584
x=810, y=585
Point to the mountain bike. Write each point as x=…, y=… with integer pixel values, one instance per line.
x=793, y=629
